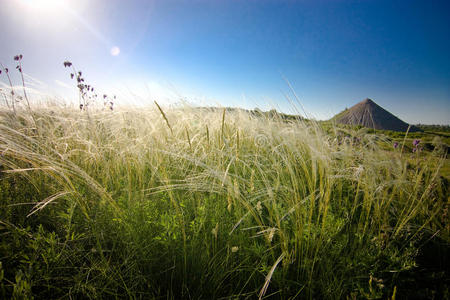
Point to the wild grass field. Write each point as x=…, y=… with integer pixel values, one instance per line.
x=211, y=203
x=188, y=203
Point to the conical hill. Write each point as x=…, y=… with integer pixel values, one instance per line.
x=369, y=114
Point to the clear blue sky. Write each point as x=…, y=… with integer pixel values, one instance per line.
x=334, y=53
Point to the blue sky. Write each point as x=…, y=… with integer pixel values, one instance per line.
x=240, y=53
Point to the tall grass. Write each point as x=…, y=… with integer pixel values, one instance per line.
x=207, y=203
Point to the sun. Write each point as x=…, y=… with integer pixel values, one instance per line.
x=43, y=6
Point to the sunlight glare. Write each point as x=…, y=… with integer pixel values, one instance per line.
x=48, y=7
x=42, y=5
x=115, y=51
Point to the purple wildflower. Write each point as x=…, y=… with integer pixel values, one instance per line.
x=416, y=142
x=67, y=64
x=395, y=145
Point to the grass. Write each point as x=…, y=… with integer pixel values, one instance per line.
x=203, y=204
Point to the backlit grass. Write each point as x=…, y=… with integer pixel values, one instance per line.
x=201, y=204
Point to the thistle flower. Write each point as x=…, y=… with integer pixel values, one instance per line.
x=18, y=57
x=395, y=145
x=67, y=64
x=416, y=142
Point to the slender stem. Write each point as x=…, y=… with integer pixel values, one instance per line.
x=25, y=94
x=12, y=89
x=75, y=74
x=23, y=85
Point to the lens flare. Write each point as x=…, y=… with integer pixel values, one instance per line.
x=115, y=51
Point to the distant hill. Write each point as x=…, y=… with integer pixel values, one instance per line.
x=434, y=128
x=369, y=114
x=273, y=113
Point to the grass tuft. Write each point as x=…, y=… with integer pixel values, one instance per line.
x=105, y=205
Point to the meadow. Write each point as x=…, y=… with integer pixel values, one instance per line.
x=215, y=204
